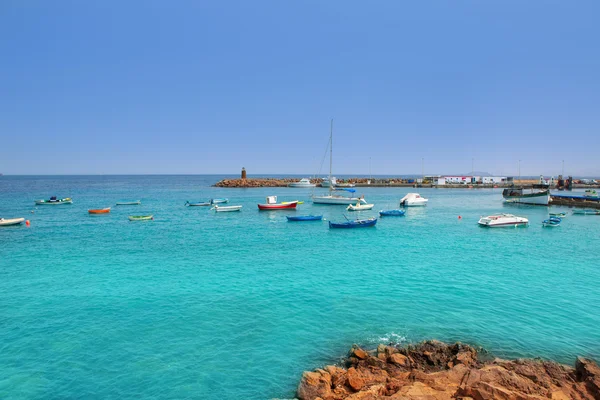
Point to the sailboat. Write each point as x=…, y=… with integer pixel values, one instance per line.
x=336, y=198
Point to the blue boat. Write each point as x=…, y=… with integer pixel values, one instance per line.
x=305, y=218
x=552, y=221
x=358, y=223
x=392, y=213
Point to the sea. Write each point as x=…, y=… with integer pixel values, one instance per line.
x=202, y=305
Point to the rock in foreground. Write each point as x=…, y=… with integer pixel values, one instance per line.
x=435, y=370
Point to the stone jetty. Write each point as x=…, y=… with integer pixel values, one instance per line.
x=438, y=371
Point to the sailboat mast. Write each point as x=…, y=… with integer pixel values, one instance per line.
x=330, y=154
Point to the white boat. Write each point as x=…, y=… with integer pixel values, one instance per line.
x=302, y=183
x=129, y=203
x=413, y=200
x=11, y=221
x=226, y=208
x=345, y=185
x=536, y=197
x=590, y=194
x=329, y=182
x=360, y=207
x=335, y=198
x=503, y=220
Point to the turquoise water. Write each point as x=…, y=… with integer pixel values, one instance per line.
x=236, y=305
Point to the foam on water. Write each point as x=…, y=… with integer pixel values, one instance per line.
x=236, y=305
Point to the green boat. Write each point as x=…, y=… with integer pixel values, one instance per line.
x=141, y=217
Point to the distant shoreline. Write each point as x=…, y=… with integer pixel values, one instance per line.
x=364, y=182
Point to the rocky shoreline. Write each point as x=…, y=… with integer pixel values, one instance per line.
x=435, y=370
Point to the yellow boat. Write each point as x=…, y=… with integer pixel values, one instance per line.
x=295, y=201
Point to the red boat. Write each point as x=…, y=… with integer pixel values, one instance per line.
x=100, y=211
x=273, y=205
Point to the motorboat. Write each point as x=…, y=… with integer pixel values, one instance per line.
x=129, y=203
x=591, y=194
x=198, y=204
x=331, y=198
x=305, y=218
x=226, y=208
x=413, y=200
x=272, y=204
x=357, y=223
x=11, y=221
x=54, y=201
x=551, y=222
x=585, y=211
x=141, y=217
x=302, y=183
x=345, y=185
x=503, y=220
x=359, y=207
x=540, y=197
x=392, y=213
x=100, y=211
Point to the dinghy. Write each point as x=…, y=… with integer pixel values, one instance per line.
x=226, y=208
x=551, y=222
x=205, y=204
x=359, y=207
x=558, y=214
x=358, y=223
x=11, y=221
x=219, y=201
x=54, y=201
x=305, y=218
x=129, y=203
x=586, y=211
x=141, y=217
x=100, y=211
x=392, y=213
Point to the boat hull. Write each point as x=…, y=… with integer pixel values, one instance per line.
x=503, y=221
x=67, y=200
x=337, y=200
x=228, y=208
x=305, y=218
x=392, y=213
x=362, y=207
x=141, y=218
x=11, y=221
x=365, y=223
x=129, y=203
x=273, y=207
x=99, y=211
x=536, y=199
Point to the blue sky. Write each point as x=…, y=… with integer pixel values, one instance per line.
x=138, y=87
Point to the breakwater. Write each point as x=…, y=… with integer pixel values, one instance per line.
x=435, y=370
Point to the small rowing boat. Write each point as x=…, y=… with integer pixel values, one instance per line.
x=358, y=223
x=226, y=208
x=54, y=201
x=219, y=201
x=141, y=217
x=586, y=211
x=551, y=222
x=305, y=218
x=203, y=204
x=558, y=214
x=11, y=221
x=392, y=213
x=129, y=203
x=100, y=211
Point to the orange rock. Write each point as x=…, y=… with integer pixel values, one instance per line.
x=399, y=359
x=355, y=380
